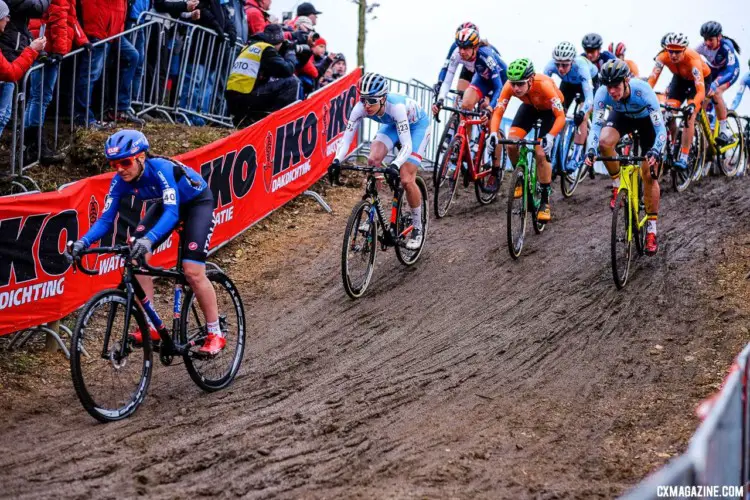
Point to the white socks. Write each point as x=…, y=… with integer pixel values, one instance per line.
x=416, y=217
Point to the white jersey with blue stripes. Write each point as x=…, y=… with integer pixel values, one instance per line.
x=400, y=110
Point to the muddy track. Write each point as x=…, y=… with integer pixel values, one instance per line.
x=469, y=375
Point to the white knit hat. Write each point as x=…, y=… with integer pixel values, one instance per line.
x=4, y=10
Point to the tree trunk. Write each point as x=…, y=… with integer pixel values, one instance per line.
x=362, y=32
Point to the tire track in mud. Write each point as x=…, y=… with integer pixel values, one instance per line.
x=468, y=375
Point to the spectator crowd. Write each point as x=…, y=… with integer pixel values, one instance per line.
x=221, y=56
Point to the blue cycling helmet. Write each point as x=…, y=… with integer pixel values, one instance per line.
x=124, y=144
x=373, y=85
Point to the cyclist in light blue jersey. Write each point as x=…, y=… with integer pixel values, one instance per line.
x=721, y=54
x=634, y=107
x=744, y=83
x=577, y=75
x=453, y=59
x=402, y=121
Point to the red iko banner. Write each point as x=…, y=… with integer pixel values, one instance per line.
x=251, y=173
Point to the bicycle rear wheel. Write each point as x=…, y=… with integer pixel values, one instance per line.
x=214, y=372
x=732, y=160
x=569, y=180
x=109, y=386
x=621, y=246
x=405, y=256
x=516, y=213
x=681, y=178
x=359, y=249
x=445, y=188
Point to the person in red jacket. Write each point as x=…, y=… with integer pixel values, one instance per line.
x=102, y=20
x=11, y=72
x=257, y=16
x=64, y=31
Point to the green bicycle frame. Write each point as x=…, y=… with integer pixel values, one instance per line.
x=530, y=187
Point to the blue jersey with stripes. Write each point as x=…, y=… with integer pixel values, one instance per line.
x=490, y=71
x=604, y=56
x=744, y=83
x=582, y=72
x=641, y=103
x=162, y=179
x=723, y=61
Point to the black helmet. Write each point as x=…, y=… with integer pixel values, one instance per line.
x=613, y=72
x=592, y=41
x=710, y=29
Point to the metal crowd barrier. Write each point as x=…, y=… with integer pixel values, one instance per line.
x=182, y=79
x=718, y=456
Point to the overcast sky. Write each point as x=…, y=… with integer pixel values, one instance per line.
x=410, y=38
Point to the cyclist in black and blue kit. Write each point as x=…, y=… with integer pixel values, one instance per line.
x=181, y=194
x=592, y=49
x=744, y=83
x=721, y=53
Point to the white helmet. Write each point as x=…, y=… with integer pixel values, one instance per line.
x=675, y=41
x=565, y=51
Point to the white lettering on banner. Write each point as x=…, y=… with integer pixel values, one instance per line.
x=111, y=264
x=164, y=246
x=290, y=176
x=726, y=491
x=31, y=293
x=225, y=215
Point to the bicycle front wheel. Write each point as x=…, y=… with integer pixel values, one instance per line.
x=681, y=178
x=111, y=386
x=447, y=177
x=621, y=244
x=359, y=249
x=568, y=180
x=405, y=220
x=214, y=372
x=516, y=214
x=445, y=138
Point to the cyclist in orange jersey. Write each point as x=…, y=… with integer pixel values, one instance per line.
x=619, y=51
x=691, y=75
x=541, y=100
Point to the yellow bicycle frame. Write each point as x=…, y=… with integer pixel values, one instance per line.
x=712, y=135
x=630, y=177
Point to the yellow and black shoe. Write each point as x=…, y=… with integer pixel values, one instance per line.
x=544, y=214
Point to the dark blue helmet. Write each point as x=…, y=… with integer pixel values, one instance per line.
x=124, y=144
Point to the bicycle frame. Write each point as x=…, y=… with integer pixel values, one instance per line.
x=630, y=178
x=713, y=134
x=474, y=163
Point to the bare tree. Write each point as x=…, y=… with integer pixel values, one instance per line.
x=365, y=9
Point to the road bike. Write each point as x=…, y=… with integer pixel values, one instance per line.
x=458, y=159
x=628, y=232
x=368, y=228
x=525, y=193
x=111, y=372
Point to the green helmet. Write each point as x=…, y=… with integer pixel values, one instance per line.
x=520, y=69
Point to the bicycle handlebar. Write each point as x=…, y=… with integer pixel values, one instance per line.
x=520, y=142
x=674, y=108
x=464, y=112
x=357, y=168
x=123, y=250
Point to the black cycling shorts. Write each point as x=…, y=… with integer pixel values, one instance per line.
x=626, y=125
x=569, y=91
x=197, y=217
x=526, y=118
x=681, y=90
x=466, y=74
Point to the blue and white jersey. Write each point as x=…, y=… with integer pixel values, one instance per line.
x=582, y=72
x=487, y=66
x=744, y=83
x=444, y=69
x=641, y=103
x=401, y=111
x=723, y=61
x=604, y=56
x=162, y=179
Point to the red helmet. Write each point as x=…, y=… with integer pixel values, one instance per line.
x=467, y=24
x=618, y=50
